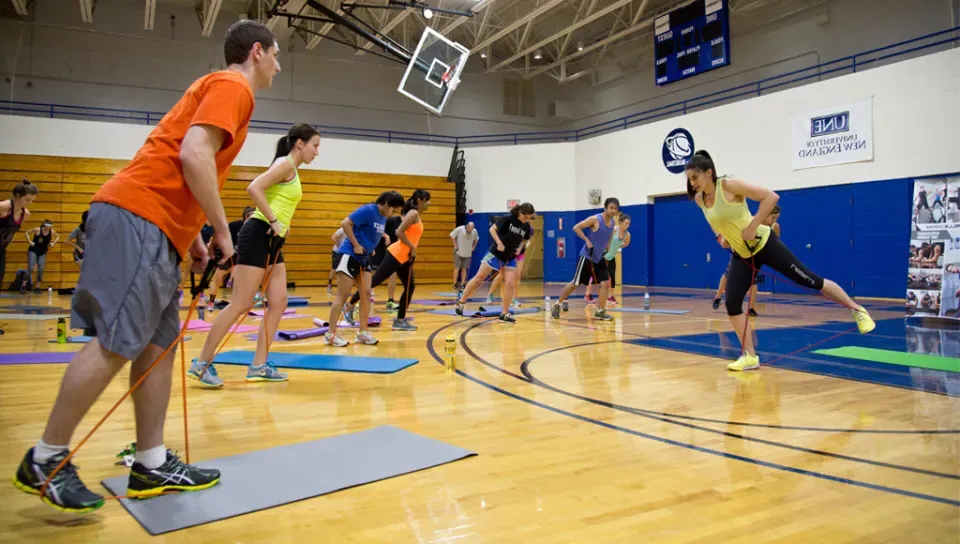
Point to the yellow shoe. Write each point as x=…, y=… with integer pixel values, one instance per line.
x=745, y=362
x=864, y=322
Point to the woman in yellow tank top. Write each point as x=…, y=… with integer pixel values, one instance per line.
x=399, y=259
x=754, y=244
x=276, y=194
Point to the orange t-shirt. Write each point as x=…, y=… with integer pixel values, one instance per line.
x=152, y=186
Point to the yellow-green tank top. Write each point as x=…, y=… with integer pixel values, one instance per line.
x=729, y=219
x=283, y=199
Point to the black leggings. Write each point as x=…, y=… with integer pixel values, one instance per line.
x=612, y=267
x=775, y=255
x=3, y=265
x=388, y=267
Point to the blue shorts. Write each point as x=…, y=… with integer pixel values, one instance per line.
x=495, y=263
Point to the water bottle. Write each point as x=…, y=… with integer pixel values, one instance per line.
x=49, y=295
x=201, y=308
x=61, y=331
x=546, y=305
x=646, y=301
x=450, y=359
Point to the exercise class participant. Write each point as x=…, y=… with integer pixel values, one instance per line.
x=13, y=213
x=620, y=240
x=592, y=267
x=724, y=205
x=498, y=279
x=399, y=261
x=41, y=240
x=276, y=194
x=506, y=236
x=465, y=239
x=142, y=223
x=363, y=229
x=78, y=239
x=227, y=266
x=770, y=221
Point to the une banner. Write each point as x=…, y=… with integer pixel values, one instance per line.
x=835, y=135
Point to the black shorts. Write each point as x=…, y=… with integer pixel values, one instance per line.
x=348, y=264
x=588, y=272
x=255, y=242
x=378, y=255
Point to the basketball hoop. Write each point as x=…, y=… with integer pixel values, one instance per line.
x=449, y=80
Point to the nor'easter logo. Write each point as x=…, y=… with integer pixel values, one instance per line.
x=677, y=150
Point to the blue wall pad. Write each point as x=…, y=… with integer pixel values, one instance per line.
x=650, y=311
x=314, y=361
x=484, y=313
x=348, y=460
x=890, y=334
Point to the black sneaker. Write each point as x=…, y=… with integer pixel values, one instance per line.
x=752, y=312
x=555, y=312
x=716, y=304
x=66, y=491
x=507, y=318
x=172, y=475
x=458, y=309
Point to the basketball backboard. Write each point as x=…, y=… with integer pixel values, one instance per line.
x=434, y=71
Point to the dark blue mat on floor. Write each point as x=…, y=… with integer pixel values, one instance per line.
x=316, y=361
x=483, y=313
x=650, y=311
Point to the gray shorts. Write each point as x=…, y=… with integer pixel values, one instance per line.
x=128, y=283
x=461, y=262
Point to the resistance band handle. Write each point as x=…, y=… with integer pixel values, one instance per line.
x=196, y=288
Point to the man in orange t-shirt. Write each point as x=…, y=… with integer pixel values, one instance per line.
x=141, y=224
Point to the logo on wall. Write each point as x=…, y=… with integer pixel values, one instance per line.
x=830, y=136
x=677, y=150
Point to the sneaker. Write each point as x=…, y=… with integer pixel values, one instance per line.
x=515, y=303
x=66, y=491
x=366, y=339
x=612, y=300
x=205, y=373
x=752, y=313
x=391, y=305
x=172, y=475
x=335, y=340
x=745, y=362
x=265, y=373
x=348, y=314
x=716, y=304
x=402, y=325
x=603, y=315
x=458, y=309
x=864, y=322
x=588, y=297
x=329, y=289
x=566, y=306
x=555, y=312
x=507, y=318
x=490, y=298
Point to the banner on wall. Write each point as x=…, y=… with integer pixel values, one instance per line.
x=933, y=276
x=834, y=135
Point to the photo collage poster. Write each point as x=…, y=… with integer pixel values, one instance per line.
x=933, y=276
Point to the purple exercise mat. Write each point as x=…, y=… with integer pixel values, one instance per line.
x=48, y=357
x=447, y=302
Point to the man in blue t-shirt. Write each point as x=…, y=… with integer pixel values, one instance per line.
x=362, y=230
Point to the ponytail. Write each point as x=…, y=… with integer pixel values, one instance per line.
x=701, y=161
x=525, y=208
x=418, y=196
x=302, y=132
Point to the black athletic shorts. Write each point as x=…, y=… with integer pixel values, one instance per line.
x=253, y=243
x=349, y=265
x=588, y=272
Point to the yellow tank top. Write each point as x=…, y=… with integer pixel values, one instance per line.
x=729, y=219
x=283, y=199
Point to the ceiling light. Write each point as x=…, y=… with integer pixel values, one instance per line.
x=579, y=46
x=483, y=55
x=427, y=13
x=537, y=55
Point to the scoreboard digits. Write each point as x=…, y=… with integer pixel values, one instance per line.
x=691, y=40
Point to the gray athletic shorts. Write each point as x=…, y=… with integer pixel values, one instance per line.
x=461, y=262
x=128, y=283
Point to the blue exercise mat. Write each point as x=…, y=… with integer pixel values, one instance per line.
x=650, y=311
x=316, y=361
x=484, y=313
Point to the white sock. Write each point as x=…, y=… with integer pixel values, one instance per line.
x=152, y=458
x=42, y=452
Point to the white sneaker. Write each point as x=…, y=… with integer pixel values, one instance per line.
x=366, y=338
x=335, y=340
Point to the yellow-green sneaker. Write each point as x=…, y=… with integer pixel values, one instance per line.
x=864, y=322
x=745, y=362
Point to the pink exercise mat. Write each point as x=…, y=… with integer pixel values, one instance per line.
x=198, y=325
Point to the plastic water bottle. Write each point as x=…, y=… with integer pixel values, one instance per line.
x=49, y=295
x=546, y=306
x=450, y=359
x=61, y=331
x=646, y=301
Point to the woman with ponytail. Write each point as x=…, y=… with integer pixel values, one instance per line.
x=754, y=244
x=399, y=260
x=276, y=194
x=13, y=213
x=507, y=235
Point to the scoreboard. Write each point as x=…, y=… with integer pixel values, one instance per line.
x=691, y=40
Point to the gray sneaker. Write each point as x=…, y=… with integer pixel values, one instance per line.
x=603, y=315
x=266, y=373
x=348, y=314
x=366, y=338
x=205, y=373
x=490, y=298
x=335, y=340
x=555, y=312
x=403, y=325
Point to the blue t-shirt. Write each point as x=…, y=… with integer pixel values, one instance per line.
x=368, y=227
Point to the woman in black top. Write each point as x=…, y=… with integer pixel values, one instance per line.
x=507, y=235
x=78, y=239
x=41, y=240
x=13, y=213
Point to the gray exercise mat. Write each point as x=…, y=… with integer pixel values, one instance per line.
x=273, y=477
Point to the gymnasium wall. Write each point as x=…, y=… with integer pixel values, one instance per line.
x=69, y=160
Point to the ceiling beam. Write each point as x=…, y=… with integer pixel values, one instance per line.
x=565, y=32
x=315, y=39
x=543, y=8
x=388, y=27
x=208, y=11
x=86, y=10
x=597, y=45
x=580, y=14
x=20, y=6
x=149, y=13
x=482, y=5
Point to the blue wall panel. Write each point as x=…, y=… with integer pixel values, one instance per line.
x=556, y=269
x=635, y=261
x=881, y=237
x=685, y=251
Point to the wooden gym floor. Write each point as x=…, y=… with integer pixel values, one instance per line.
x=583, y=435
